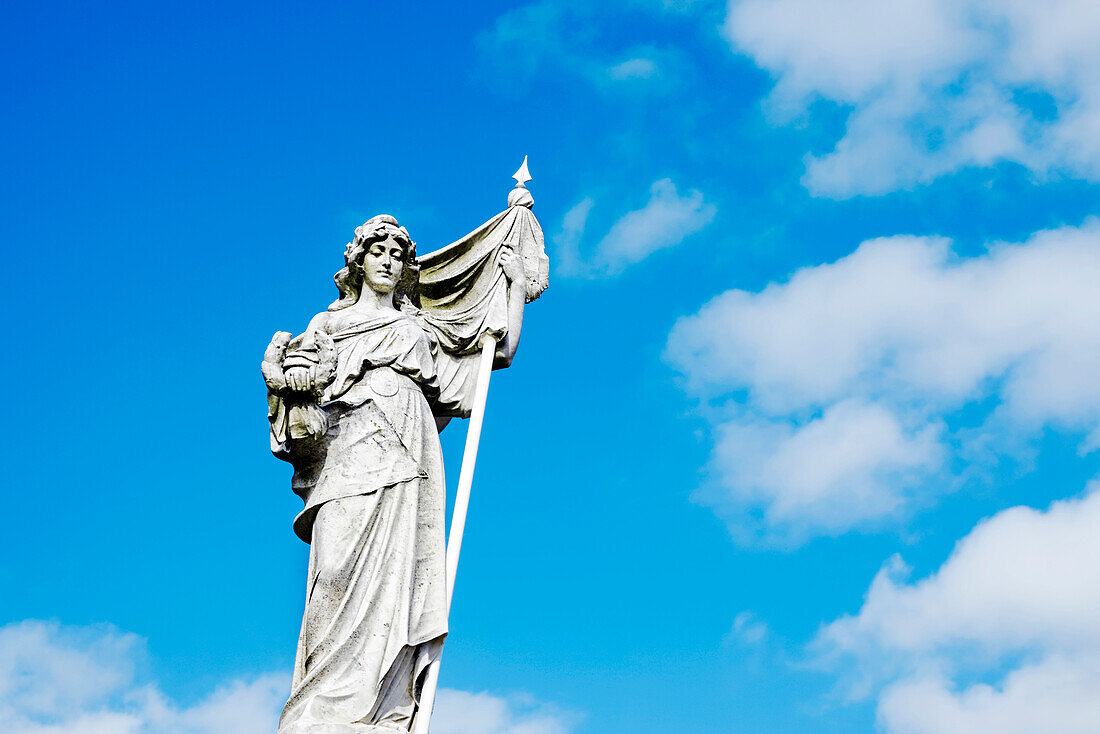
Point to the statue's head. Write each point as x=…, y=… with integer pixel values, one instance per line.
x=380, y=256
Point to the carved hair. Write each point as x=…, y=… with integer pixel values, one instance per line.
x=349, y=281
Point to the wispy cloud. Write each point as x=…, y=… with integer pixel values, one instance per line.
x=567, y=240
x=575, y=42
x=850, y=370
x=637, y=68
x=932, y=86
x=746, y=629
x=666, y=220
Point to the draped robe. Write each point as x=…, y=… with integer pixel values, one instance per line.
x=373, y=485
x=374, y=496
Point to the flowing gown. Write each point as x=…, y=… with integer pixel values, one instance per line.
x=373, y=486
x=376, y=611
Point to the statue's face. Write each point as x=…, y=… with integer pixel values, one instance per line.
x=382, y=265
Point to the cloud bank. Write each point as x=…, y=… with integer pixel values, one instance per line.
x=1016, y=608
x=852, y=373
x=59, y=680
x=932, y=86
x=86, y=680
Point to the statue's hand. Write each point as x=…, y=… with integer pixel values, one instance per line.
x=299, y=379
x=310, y=366
x=510, y=263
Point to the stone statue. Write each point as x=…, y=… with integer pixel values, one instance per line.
x=356, y=404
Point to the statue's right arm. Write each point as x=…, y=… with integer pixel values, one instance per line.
x=303, y=379
x=272, y=364
x=297, y=371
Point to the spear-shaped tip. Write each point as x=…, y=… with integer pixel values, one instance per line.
x=522, y=176
x=520, y=196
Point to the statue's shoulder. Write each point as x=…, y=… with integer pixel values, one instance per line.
x=321, y=322
x=343, y=322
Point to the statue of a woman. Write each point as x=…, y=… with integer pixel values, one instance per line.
x=356, y=404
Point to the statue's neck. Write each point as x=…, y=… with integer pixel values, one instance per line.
x=371, y=300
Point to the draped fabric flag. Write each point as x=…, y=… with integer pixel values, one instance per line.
x=462, y=295
x=463, y=291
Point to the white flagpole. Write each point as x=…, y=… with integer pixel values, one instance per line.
x=458, y=519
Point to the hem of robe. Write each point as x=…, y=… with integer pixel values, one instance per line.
x=427, y=652
x=430, y=651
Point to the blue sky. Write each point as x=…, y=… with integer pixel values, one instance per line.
x=799, y=439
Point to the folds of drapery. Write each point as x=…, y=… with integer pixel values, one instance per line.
x=463, y=297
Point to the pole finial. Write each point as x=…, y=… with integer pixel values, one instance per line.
x=520, y=196
x=522, y=176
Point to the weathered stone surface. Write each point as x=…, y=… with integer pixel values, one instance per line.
x=355, y=404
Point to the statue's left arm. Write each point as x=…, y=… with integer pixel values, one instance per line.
x=512, y=265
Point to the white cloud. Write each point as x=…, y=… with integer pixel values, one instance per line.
x=567, y=240
x=83, y=680
x=850, y=369
x=1016, y=607
x=638, y=68
x=1055, y=695
x=904, y=317
x=461, y=712
x=852, y=465
x=747, y=629
x=933, y=85
x=1035, y=570
x=665, y=221
x=56, y=680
